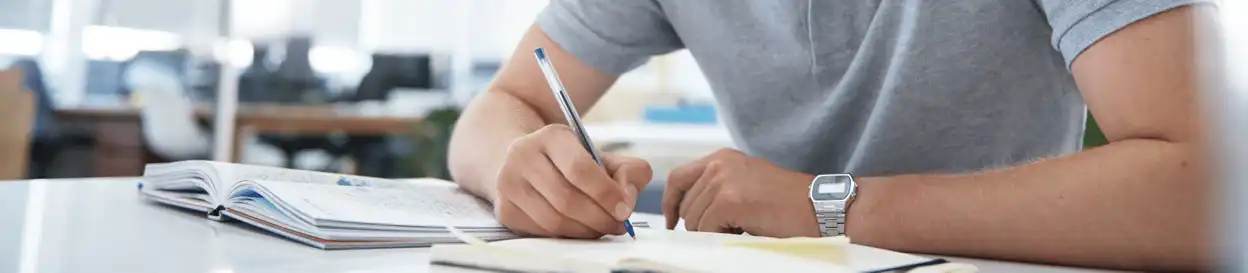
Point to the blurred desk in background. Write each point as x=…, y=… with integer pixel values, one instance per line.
x=117, y=133
x=118, y=128
x=349, y=119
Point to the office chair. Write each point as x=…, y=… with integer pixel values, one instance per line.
x=296, y=81
x=48, y=138
x=170, y=127
x=257, y=81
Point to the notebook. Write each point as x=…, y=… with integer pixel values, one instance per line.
x=324, y=210
x=659, y=250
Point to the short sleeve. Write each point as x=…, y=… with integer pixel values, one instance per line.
x=611, y=35
x=1077, y=24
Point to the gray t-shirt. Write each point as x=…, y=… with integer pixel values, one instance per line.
x=869, y=87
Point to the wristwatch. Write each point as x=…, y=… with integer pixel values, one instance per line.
x=832, y=194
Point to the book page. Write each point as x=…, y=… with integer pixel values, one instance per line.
x=429, y=204
x=239, y=172
x=184, y=176
x=224, y=176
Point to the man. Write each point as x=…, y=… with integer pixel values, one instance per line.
x=959, y=121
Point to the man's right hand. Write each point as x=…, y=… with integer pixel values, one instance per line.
x=550, y=186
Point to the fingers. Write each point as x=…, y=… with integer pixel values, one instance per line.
x=551, y=186
x=544, y=215
x=700, y=186
x=696, y=201
x=570, y=201
x=581, y=171
x=714, y=219
x=633, y=171
x=517, y=221
x=679, y=181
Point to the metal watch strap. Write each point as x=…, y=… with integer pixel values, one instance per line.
x=831, y=223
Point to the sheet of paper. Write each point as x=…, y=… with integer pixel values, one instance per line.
x=675, y=247
x=429, y=205
x=688, y=251
x=865, y=258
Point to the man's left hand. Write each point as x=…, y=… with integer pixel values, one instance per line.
x=731, y=192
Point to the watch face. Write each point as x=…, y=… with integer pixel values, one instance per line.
x=831, y=188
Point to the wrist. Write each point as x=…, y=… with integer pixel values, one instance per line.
x=857, y=214
x=808, y=218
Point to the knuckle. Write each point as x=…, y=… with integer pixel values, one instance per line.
x=521, y=147
x=676, y=174
x=552, y=129
x=731, y=196
x=723, y=152
x=544, y=130
x=714, y=167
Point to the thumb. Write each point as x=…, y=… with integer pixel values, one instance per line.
x=632, y=173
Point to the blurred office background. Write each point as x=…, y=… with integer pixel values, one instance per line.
x=362, y=86
x=370, y=87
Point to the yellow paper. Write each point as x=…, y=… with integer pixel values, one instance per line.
x=828, y=249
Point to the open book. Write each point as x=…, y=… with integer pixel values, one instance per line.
x=328, y=211
x=658, y=250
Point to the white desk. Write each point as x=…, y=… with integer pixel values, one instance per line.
x=100, y=225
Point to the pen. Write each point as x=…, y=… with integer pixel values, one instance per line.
x=569, y=113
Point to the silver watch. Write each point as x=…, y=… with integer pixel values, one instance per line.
x=831, y=195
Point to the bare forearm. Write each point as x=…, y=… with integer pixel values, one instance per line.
x=1137, y=204
x=517, y=103
x=482, y=136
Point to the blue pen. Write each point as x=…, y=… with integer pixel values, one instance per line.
x=569, y=113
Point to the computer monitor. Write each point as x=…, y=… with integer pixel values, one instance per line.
x=392, y=71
